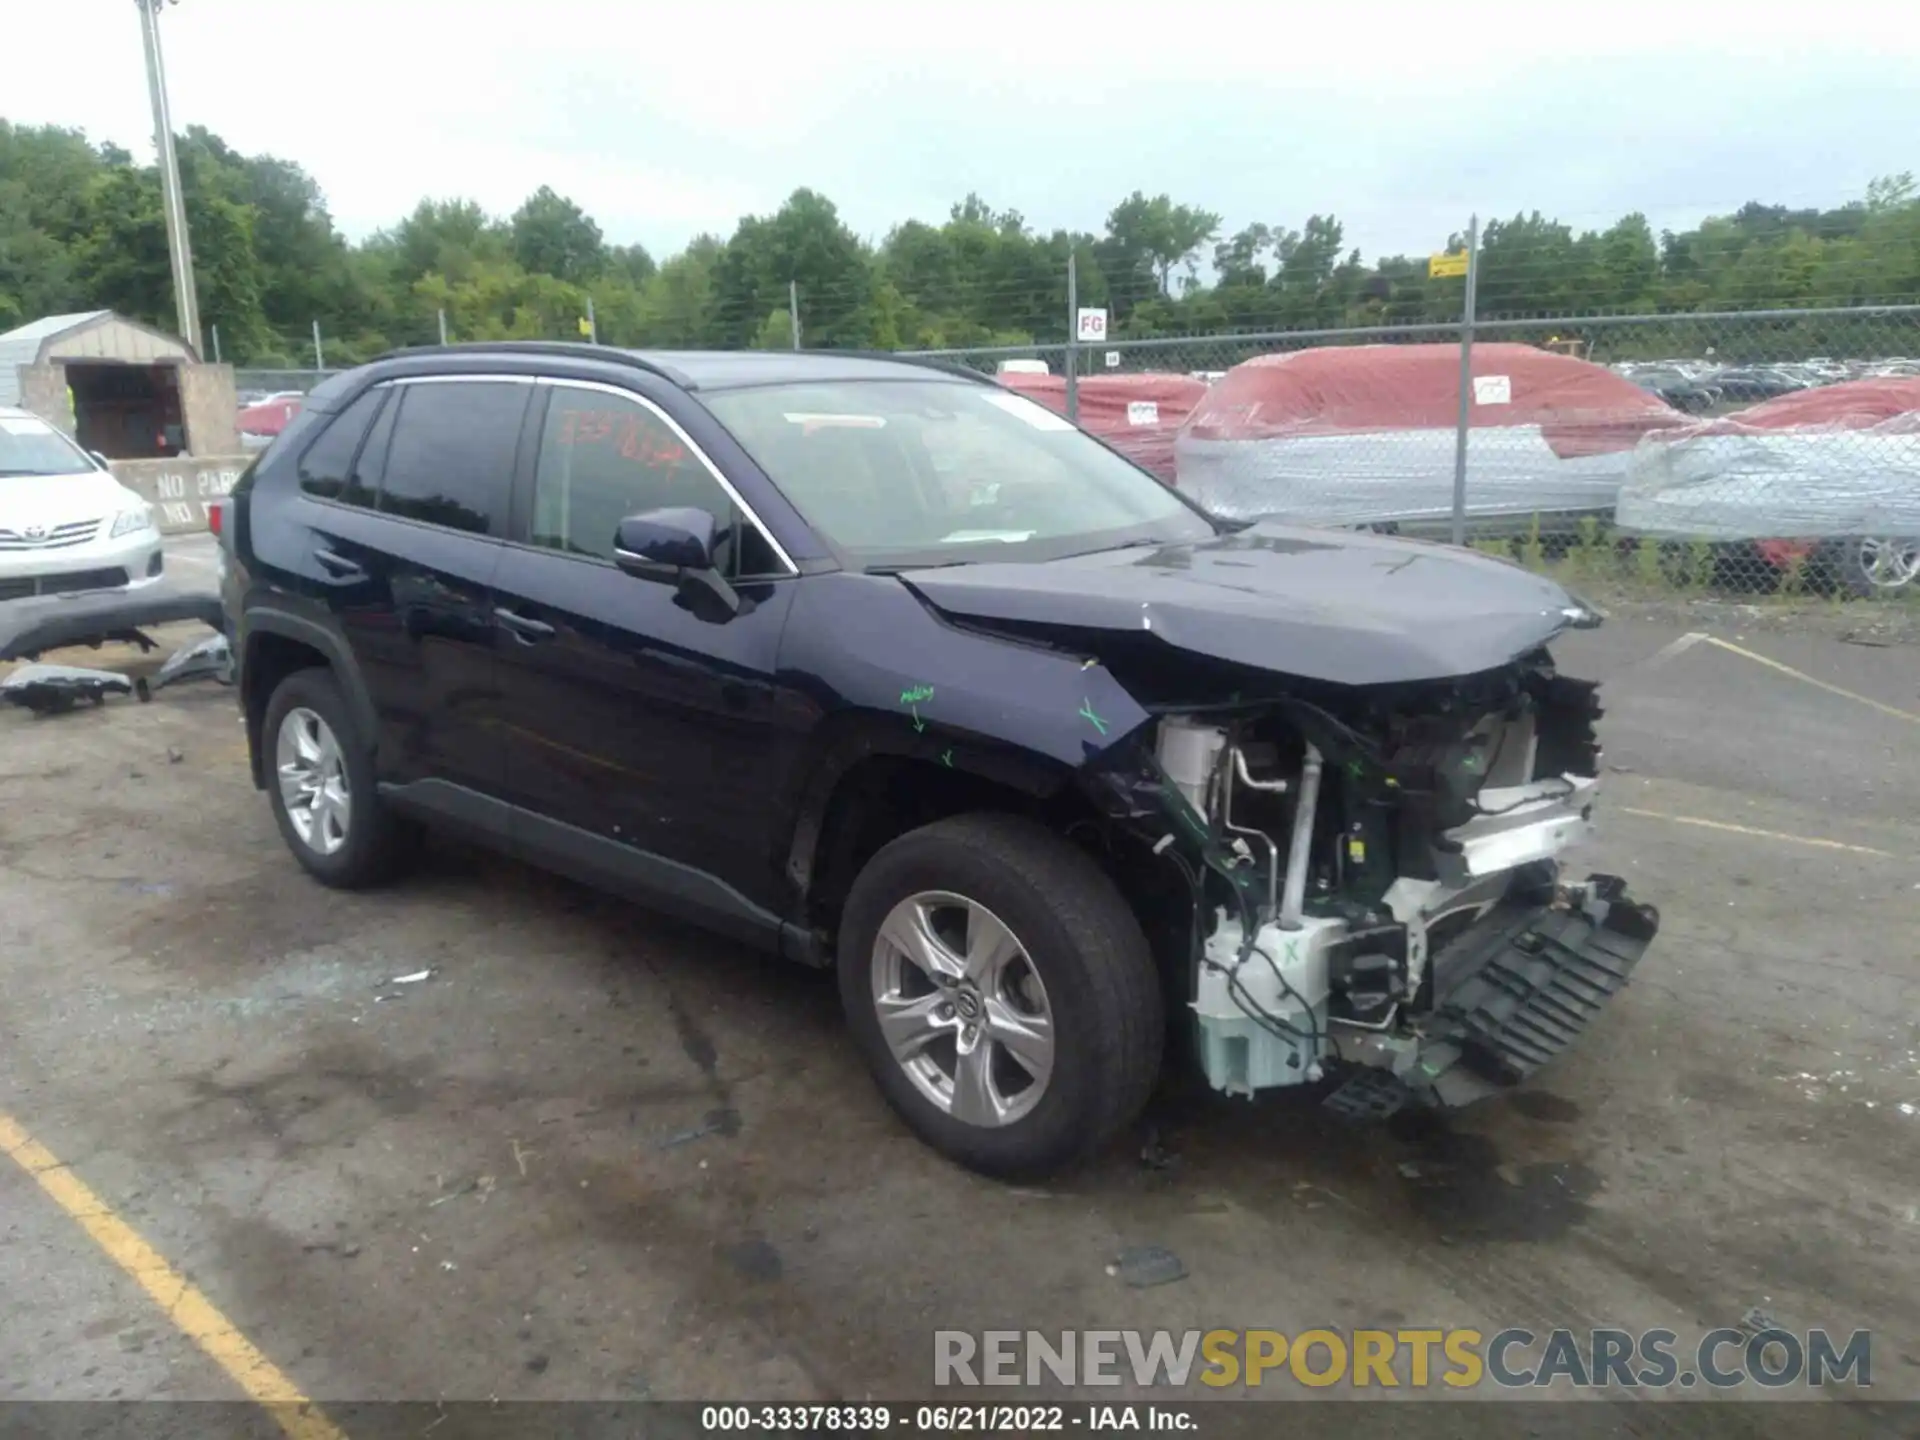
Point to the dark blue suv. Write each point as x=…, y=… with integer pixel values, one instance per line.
x=881, y=666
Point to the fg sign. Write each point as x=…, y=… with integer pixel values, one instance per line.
x=1091, y=327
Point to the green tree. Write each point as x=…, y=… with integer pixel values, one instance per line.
x=121, y=261
x=1146, y=238
x=81, y=226
x=804, y=244
x=448, y=236
x=553, y=236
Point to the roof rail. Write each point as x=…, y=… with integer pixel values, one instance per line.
x=571, y=349
x=574, y=350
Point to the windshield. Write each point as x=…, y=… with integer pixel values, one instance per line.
x=899, y=473
x=30, y=446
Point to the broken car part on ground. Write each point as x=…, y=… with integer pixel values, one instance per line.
x=30, y=628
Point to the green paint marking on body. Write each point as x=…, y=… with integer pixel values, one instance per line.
x=1086, y=712
x=916, y=695
x=946, y=757
x=918, y=723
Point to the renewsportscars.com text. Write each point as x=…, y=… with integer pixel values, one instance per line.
x=1461, y=1359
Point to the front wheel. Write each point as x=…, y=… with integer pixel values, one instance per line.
x=1878, y=564
x=1002, y=994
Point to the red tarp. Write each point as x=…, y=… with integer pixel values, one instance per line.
x=1581, y=408
x=269, y=417
x=1849, y=405
x=1137, y=415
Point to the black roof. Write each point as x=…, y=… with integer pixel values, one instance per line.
x=719, y=369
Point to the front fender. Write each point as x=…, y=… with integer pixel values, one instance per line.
x=866, y=642
x=886, y=675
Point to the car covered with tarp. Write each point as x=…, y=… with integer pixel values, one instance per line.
x=1829, y=476
x=260, y=422
x=1366, y=435
x=1137, y=414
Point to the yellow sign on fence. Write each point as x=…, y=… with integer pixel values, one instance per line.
x=1439, y=266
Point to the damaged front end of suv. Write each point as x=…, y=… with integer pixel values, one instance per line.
x=1367, y=805
x=1377, y=882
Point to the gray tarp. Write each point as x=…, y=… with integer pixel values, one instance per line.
x=1804, y=483
x=1392, y=475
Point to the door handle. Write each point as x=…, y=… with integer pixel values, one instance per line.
x=527, y=632
x=338, y=566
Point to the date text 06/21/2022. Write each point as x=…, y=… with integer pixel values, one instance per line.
x=945, y=1419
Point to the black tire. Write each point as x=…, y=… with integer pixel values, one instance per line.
x=379, y=845
x=1089, y=952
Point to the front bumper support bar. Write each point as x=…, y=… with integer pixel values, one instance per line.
x=1520, y=996
x=1510, y=994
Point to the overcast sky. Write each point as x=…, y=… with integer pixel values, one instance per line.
x=666, y=120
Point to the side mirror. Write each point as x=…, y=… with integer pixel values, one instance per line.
x=675, y=546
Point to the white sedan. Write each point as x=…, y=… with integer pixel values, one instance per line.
x=66, y=525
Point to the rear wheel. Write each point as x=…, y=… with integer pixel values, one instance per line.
x=321, y=787
x=1002, y=993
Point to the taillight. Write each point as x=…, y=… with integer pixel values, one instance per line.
x=215, y=516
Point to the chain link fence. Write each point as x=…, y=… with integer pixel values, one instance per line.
x=1769, y=452
x=255, y=386
x=1751, y=453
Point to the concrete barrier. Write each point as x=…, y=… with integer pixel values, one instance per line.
x=180, y=489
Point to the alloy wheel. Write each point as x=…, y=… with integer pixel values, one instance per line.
x=962, y=1008
x=313, y=781
x=1889, y=564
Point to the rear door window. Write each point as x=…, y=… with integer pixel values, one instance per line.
x=451, y=458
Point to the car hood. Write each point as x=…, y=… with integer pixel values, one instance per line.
x=61, y=499
x=1341, y=607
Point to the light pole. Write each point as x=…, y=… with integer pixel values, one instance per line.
x=179, y=250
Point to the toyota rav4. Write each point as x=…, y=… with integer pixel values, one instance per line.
x=883, y=667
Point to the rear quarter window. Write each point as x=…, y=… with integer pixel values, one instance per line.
x=326, y=466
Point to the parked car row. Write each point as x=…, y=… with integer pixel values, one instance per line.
x=1703, y=387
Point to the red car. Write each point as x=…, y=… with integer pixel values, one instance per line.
x=259, y=423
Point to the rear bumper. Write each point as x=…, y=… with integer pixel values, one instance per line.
x=31, y=627
x=1509, y=995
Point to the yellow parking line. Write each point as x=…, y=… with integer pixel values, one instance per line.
x=190, y=1311
x=1801, y=675
x=1706, y=824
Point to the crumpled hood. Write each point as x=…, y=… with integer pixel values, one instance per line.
x=1347, y=608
